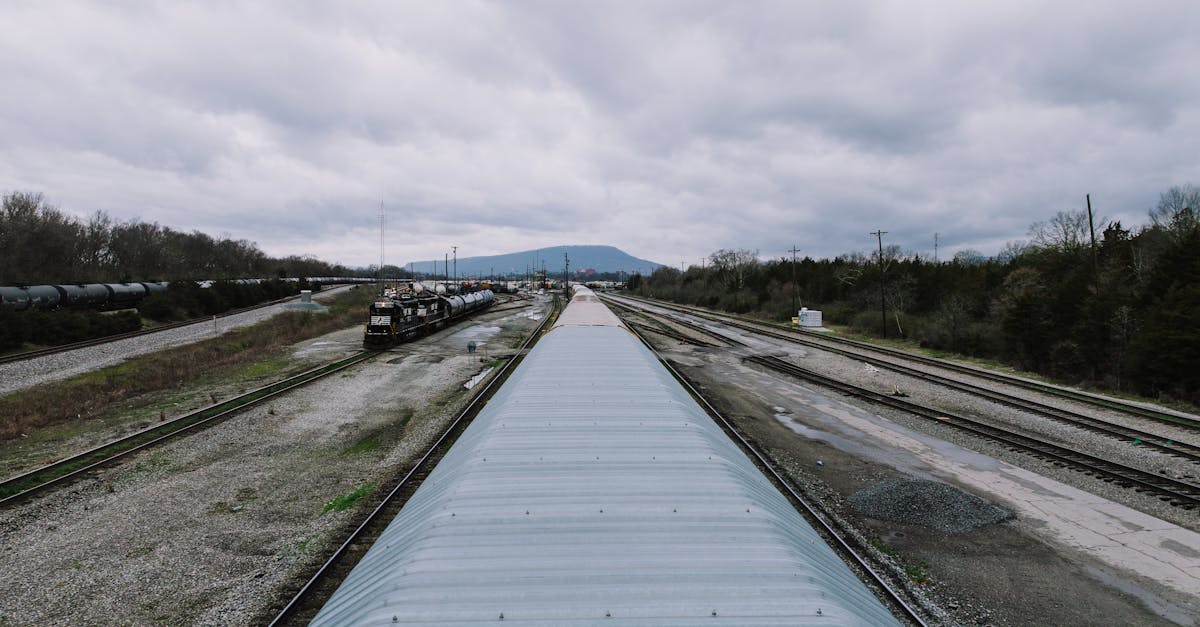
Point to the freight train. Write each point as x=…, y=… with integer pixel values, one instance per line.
x=108, y=296
x=396, y=317
x=102, y=296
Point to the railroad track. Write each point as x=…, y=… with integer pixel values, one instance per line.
x=53, y=350
x=678, y=336
x=1137, y=437
x=70, y=468
x=304, y=605
x=842, y=542
x=1173, y=491
x=824, y=343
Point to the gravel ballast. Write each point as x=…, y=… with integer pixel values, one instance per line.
x=928, y=504
x=216, y=527
x=1016, y=572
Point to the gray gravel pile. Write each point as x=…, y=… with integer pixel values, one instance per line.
x=928, y=504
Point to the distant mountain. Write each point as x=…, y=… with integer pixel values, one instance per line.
x=598, y=258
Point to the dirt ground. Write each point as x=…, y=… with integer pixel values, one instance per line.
x=1000, y=574
x=212, y=528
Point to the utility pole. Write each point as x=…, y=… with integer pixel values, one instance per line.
x=795, y=293
x=446, y=267
x=935, y=246
x=1092, y=228
x=455, y=249
x=882, y=282
x=566, y=275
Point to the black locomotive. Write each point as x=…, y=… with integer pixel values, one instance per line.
x=396, y=317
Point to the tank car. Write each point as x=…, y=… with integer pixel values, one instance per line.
x=45, y=296
x=15, y=298
x=123, y=295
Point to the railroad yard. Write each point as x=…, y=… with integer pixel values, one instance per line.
x=1073, y=548
x=215, y=527
x=968, y=496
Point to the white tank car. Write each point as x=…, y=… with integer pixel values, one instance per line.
x=592, y=489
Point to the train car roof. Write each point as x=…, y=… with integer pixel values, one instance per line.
x=586, y=309
x=593, y=489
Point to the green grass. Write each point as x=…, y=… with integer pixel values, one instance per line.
x=369, y=443
x=347, y=500
x=881, y=546
x=263, y=368
x=916, y=572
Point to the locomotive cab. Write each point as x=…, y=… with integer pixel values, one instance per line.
x=381, y=324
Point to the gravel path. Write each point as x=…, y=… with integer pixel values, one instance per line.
x=213, y=528
x=22, y=374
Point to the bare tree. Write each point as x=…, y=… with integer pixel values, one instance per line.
x=1067, y=231
x=1178, y=210
x=732, y=266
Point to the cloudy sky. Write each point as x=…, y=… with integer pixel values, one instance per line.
x=668, y=129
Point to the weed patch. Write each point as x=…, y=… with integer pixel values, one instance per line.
x=881, y=546
x=263, y=368
x=345, y=501
x=916, y=572
x=369, y=443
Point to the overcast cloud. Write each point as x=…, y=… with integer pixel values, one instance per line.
x=666, y=129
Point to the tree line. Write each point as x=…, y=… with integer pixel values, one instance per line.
x=39, y=244
x=1122, y=313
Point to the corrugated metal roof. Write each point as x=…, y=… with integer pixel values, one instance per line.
x=586, y=309
x=592, y=488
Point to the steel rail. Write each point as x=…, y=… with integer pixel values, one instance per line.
x=66, y=469
x=699, y=329
x=1137, y=437
x=822, y=341
x=679, y=337
x=1176, y=492
x=474, y=405
x=890, y=593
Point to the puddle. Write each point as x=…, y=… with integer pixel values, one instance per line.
x=477, y=378
x=473, y=335
x=844, y=444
